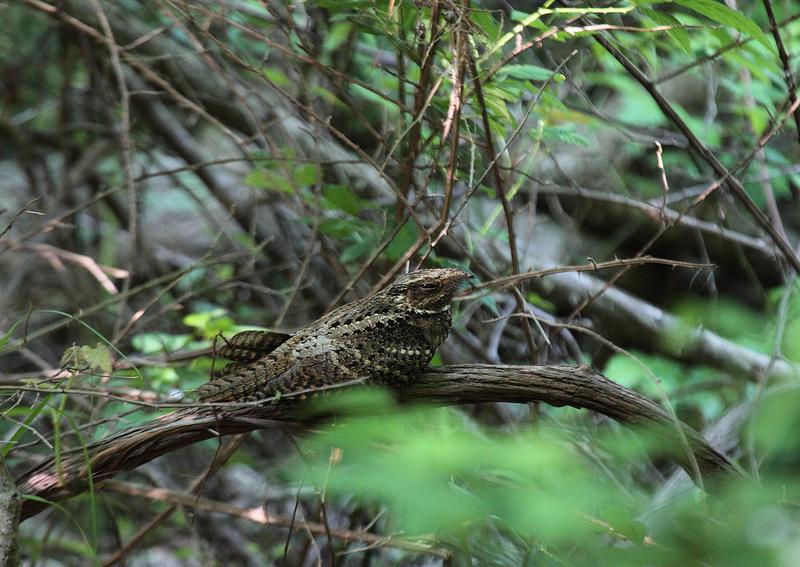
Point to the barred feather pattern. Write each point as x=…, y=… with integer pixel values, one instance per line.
x=387, y=337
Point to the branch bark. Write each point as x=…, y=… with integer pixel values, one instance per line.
x=579, y=387
x=9, y=517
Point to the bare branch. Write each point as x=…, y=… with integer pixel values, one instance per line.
x=259, y=515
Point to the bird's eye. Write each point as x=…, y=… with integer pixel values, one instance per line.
x=429, y=286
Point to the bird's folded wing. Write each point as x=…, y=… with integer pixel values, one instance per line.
x=251, y=345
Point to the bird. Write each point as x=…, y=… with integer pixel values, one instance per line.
x=386, y=338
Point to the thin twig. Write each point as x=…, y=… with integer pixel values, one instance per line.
x=786, y=63
x=18, y=214
x=260, y=516
x=126, y=153
x=533, y=351
x=729, y=180
x=500, y=283
x=98, y=271
x=224, y=453
x=738, y=42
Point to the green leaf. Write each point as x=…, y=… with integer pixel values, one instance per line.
x=359, y=248
x=34, y=412
x=327, y=96
x=97, y=358
x=7, y=336
x=266, y=179
x=681, y=36
x=341, y=198
x=565, y=133
x=201, y=319
x=209, y=323
x=340, y=228
x=497, y=108
x=624, y=370
x=277, y=77
x=636, y=106
x=152, y=343
x=439, y=473
x=402, y=242
x=777, y=421
x=305, y=175
x=528, y=72
x=487, y=24
x=540, y=301
x=623, y=521
x=721, y=14
x=373, y=97
x=164, y=377
x=336, y=36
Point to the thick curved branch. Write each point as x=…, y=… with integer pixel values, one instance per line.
x=579, y=387
x=560, y=385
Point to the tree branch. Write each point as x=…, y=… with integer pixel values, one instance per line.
x=707, y=155
x=626, y=318
x=260, y=515
x=9, y=517
x=579, y=387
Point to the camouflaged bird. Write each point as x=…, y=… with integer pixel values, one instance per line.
x=387, y=337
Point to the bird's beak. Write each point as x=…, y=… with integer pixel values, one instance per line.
x=458, y=276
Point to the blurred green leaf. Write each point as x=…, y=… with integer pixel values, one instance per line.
x=305, y=175
x=529, y=72
x=342, y=198
x=277, y=76
x=359, y=248
x=402, y=242
x=266, y=179
x=487, y=24
x=7, y=335
x=777, y=422
x=336, y=36
x=681, y=36
x=720, y=13
x=209, y=323
x=566, y=133
x=341, y=228
x=152, y=343
x=437, y=476
x=97, y=358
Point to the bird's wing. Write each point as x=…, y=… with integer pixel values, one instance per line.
x=251, y=345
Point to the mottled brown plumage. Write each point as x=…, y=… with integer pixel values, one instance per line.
x=387, y=337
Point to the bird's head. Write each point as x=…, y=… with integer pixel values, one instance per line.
x=426, y=291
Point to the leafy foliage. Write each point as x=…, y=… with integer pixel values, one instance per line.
x=441, y=476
